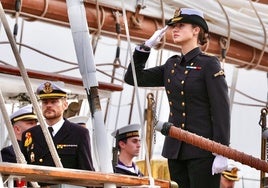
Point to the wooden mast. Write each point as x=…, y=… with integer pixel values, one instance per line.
x=239, y=54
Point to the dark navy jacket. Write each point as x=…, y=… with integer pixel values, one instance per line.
x=198, y=98
x=8, y=154
x=72, y=143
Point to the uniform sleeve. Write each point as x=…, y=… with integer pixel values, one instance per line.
x=152, y=77
x=8, y=155
x=84, y=156
x=219, y=102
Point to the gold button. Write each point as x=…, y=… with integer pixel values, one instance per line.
x=182, y=92
x=170, y=103
x=175, y=64
x=168, y=80
x=182, y=125
x=183, y=114
x=182, y=82
x=186, y=72
x=168, y=92
x=172, y=71
x=183, y=104
x=192, y=64
x=41, y=160
x=171, y=114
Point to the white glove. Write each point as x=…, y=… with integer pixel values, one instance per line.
x=156, y=37
x=163, y=127
x=220, y=164
x=159, y=126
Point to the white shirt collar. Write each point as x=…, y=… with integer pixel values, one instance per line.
x=57, y=126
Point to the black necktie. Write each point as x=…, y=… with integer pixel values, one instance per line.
x=50, y=131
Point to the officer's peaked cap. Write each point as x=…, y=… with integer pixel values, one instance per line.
x=23, y=114
x=79, y=119
x=50, y=90
x=188, y=15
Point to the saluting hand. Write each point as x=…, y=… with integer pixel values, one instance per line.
x=156, y=37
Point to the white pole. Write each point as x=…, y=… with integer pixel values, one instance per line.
x=84, y=53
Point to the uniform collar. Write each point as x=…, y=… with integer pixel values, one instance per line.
x=57, y=126
x=133, y=168
x=190, y=55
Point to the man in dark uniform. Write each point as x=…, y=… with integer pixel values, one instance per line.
x=198, y=98
x=128, y=143
x=72, y=141
x=22, y=119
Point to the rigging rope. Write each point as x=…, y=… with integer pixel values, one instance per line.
x=116, y=62
x=26, y=80
x=264, y=35
x=137, y=94
x=225, y=43
x=252, y=65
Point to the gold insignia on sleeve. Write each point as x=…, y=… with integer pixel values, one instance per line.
x=28, y=140
x=220, y=73
x=47, y=87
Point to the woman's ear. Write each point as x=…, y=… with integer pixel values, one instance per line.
x=196, y=30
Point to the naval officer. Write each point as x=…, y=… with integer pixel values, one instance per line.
x=22, y=119
x=72, y=141
x=198, y=98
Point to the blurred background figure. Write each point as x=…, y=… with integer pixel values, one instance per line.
x=81, y=120
x=229, y=177
x=22, y=119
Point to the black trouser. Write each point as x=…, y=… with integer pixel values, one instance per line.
x=193, y=173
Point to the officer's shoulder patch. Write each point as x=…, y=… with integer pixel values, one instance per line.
x=220, y=73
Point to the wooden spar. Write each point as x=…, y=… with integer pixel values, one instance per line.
x=9, y=70
x=75, y=177
x=215, y=147
x=238, y=54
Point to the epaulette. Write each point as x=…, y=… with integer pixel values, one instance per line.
x=175, y=56
x=207, y=54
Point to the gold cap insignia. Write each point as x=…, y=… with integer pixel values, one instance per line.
x=177, y=13
x=47, y=87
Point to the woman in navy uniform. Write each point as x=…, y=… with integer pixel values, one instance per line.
x=198, y=98
x=72, y=141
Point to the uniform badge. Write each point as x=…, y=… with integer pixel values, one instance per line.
x=28, y=140
x=32, y=157
x=220, y=73
x=47, y=87
x=177, y=13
